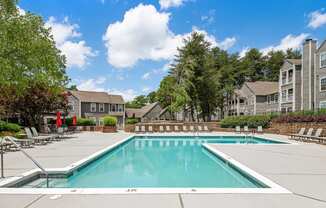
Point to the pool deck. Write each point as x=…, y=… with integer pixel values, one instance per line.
x=299, y=168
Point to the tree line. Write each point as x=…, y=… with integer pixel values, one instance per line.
x=203, y=77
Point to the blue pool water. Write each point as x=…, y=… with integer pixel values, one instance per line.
x=161, y=162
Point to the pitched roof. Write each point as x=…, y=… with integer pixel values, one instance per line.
x=263, y=87
x=321, y=45
x=294, y=61
x=140, y=112
x=97, y=97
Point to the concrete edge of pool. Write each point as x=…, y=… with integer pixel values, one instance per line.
x=272, y=188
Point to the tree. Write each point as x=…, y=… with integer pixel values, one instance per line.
x=138, y=102
x=152, y=97
x=29, y=60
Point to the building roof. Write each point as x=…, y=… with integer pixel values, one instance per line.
x=263, y=87
x=295, y=61
x=321, y=45
x=140, y=112
x=97, y=97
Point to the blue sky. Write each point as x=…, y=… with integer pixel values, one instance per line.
x=124, y=46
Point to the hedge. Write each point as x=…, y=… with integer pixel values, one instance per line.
x=11, y=127
x=132, y=120
x=85, y=122
x=250, y=121
x=302, y=116
x=110, y=121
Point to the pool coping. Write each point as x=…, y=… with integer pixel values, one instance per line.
x=272, y=187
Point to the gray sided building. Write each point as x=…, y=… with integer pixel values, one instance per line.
x=254, y=98
x=148, y=113
x=95, y=105
x=320, y=76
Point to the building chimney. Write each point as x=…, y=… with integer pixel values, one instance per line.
x=308, y=75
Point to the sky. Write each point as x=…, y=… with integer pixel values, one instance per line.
x=125, y=46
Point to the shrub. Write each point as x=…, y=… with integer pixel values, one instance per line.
x=110, y=121
x=69, y=121
x=85, y=122
x=11, y=127
x=250, y=121
x=132, y=120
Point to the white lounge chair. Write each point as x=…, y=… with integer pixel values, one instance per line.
x=299, y=134
x=137, y=130
x=206, y=128
x=237, y=129
x=168, y=128
x=260, y=130
x=38, y=139
x=306, y=136
x=150, y=128
x=143, y=129
x=191, y=128
x=184, y=128
x=176, y=128
x=316, y=136
x=246, y=129
x=161, y=129
x=199, y=128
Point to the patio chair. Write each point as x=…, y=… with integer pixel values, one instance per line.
x=55, y=136
x=260, y=130
x=191, y=128
x=308, y=135
x=316, y=136
x=143, y=129
x=300, y=133
x=168, y=128
x=137, y=130
x=238, y=129
x=184, y=128
x=199, y=128
x=161, y=129
x=176, y=128
x=23, y=143
x=206, y=128
x=246, y=129
x=150, y=128
x=36, y=139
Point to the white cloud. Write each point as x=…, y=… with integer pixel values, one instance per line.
x=143, y=34
x=146, y=89
x=227, y=43
x=165, y=4
x=146, y=76
x=128, y=94
x=290, y=41
x=64, y=33
x=21, y=11
x=210, y=17
x=92, y=84
x=317, y=19
x=243, y=52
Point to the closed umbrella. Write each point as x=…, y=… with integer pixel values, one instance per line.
x=74, y=120
x=59, y=122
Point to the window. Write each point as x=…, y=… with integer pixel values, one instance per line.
x=268, y=99
x=113, y=107
x=276, y=98
x=284, y=95
x=290, y=94
x=101, y=107
x=120, y=108
x=283, y=77
x=71, y=107
x=322, y=104
x=323, y=60
x=323, y=84
x=283, y=110
x=93, y=107
x=289, y=109
x=242, y=101
x=290, y=76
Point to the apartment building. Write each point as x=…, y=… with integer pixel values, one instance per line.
x=254, y=98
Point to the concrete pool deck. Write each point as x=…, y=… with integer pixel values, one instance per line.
x=298, y=168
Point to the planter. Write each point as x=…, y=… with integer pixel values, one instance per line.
x=109, y=129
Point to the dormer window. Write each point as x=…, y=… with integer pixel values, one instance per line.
x=93, y=107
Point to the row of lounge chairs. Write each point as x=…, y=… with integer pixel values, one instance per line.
x=172, y=128
x=246, y=129
x=310, y=135
x=33, y=138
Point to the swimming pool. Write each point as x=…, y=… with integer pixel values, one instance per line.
x=161, y=162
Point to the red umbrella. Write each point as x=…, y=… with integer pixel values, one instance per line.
x=59, y=122
x=74, y=120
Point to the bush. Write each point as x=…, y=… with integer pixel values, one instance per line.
x=250, y=121
x=132, y=120
x=302, y=116
x=11, y=127
x=85, y=122
x=69, y=121
x=110, y=121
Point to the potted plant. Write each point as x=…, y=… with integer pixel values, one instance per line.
x=110, y=124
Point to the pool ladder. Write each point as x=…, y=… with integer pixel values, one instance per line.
x=26, y=154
